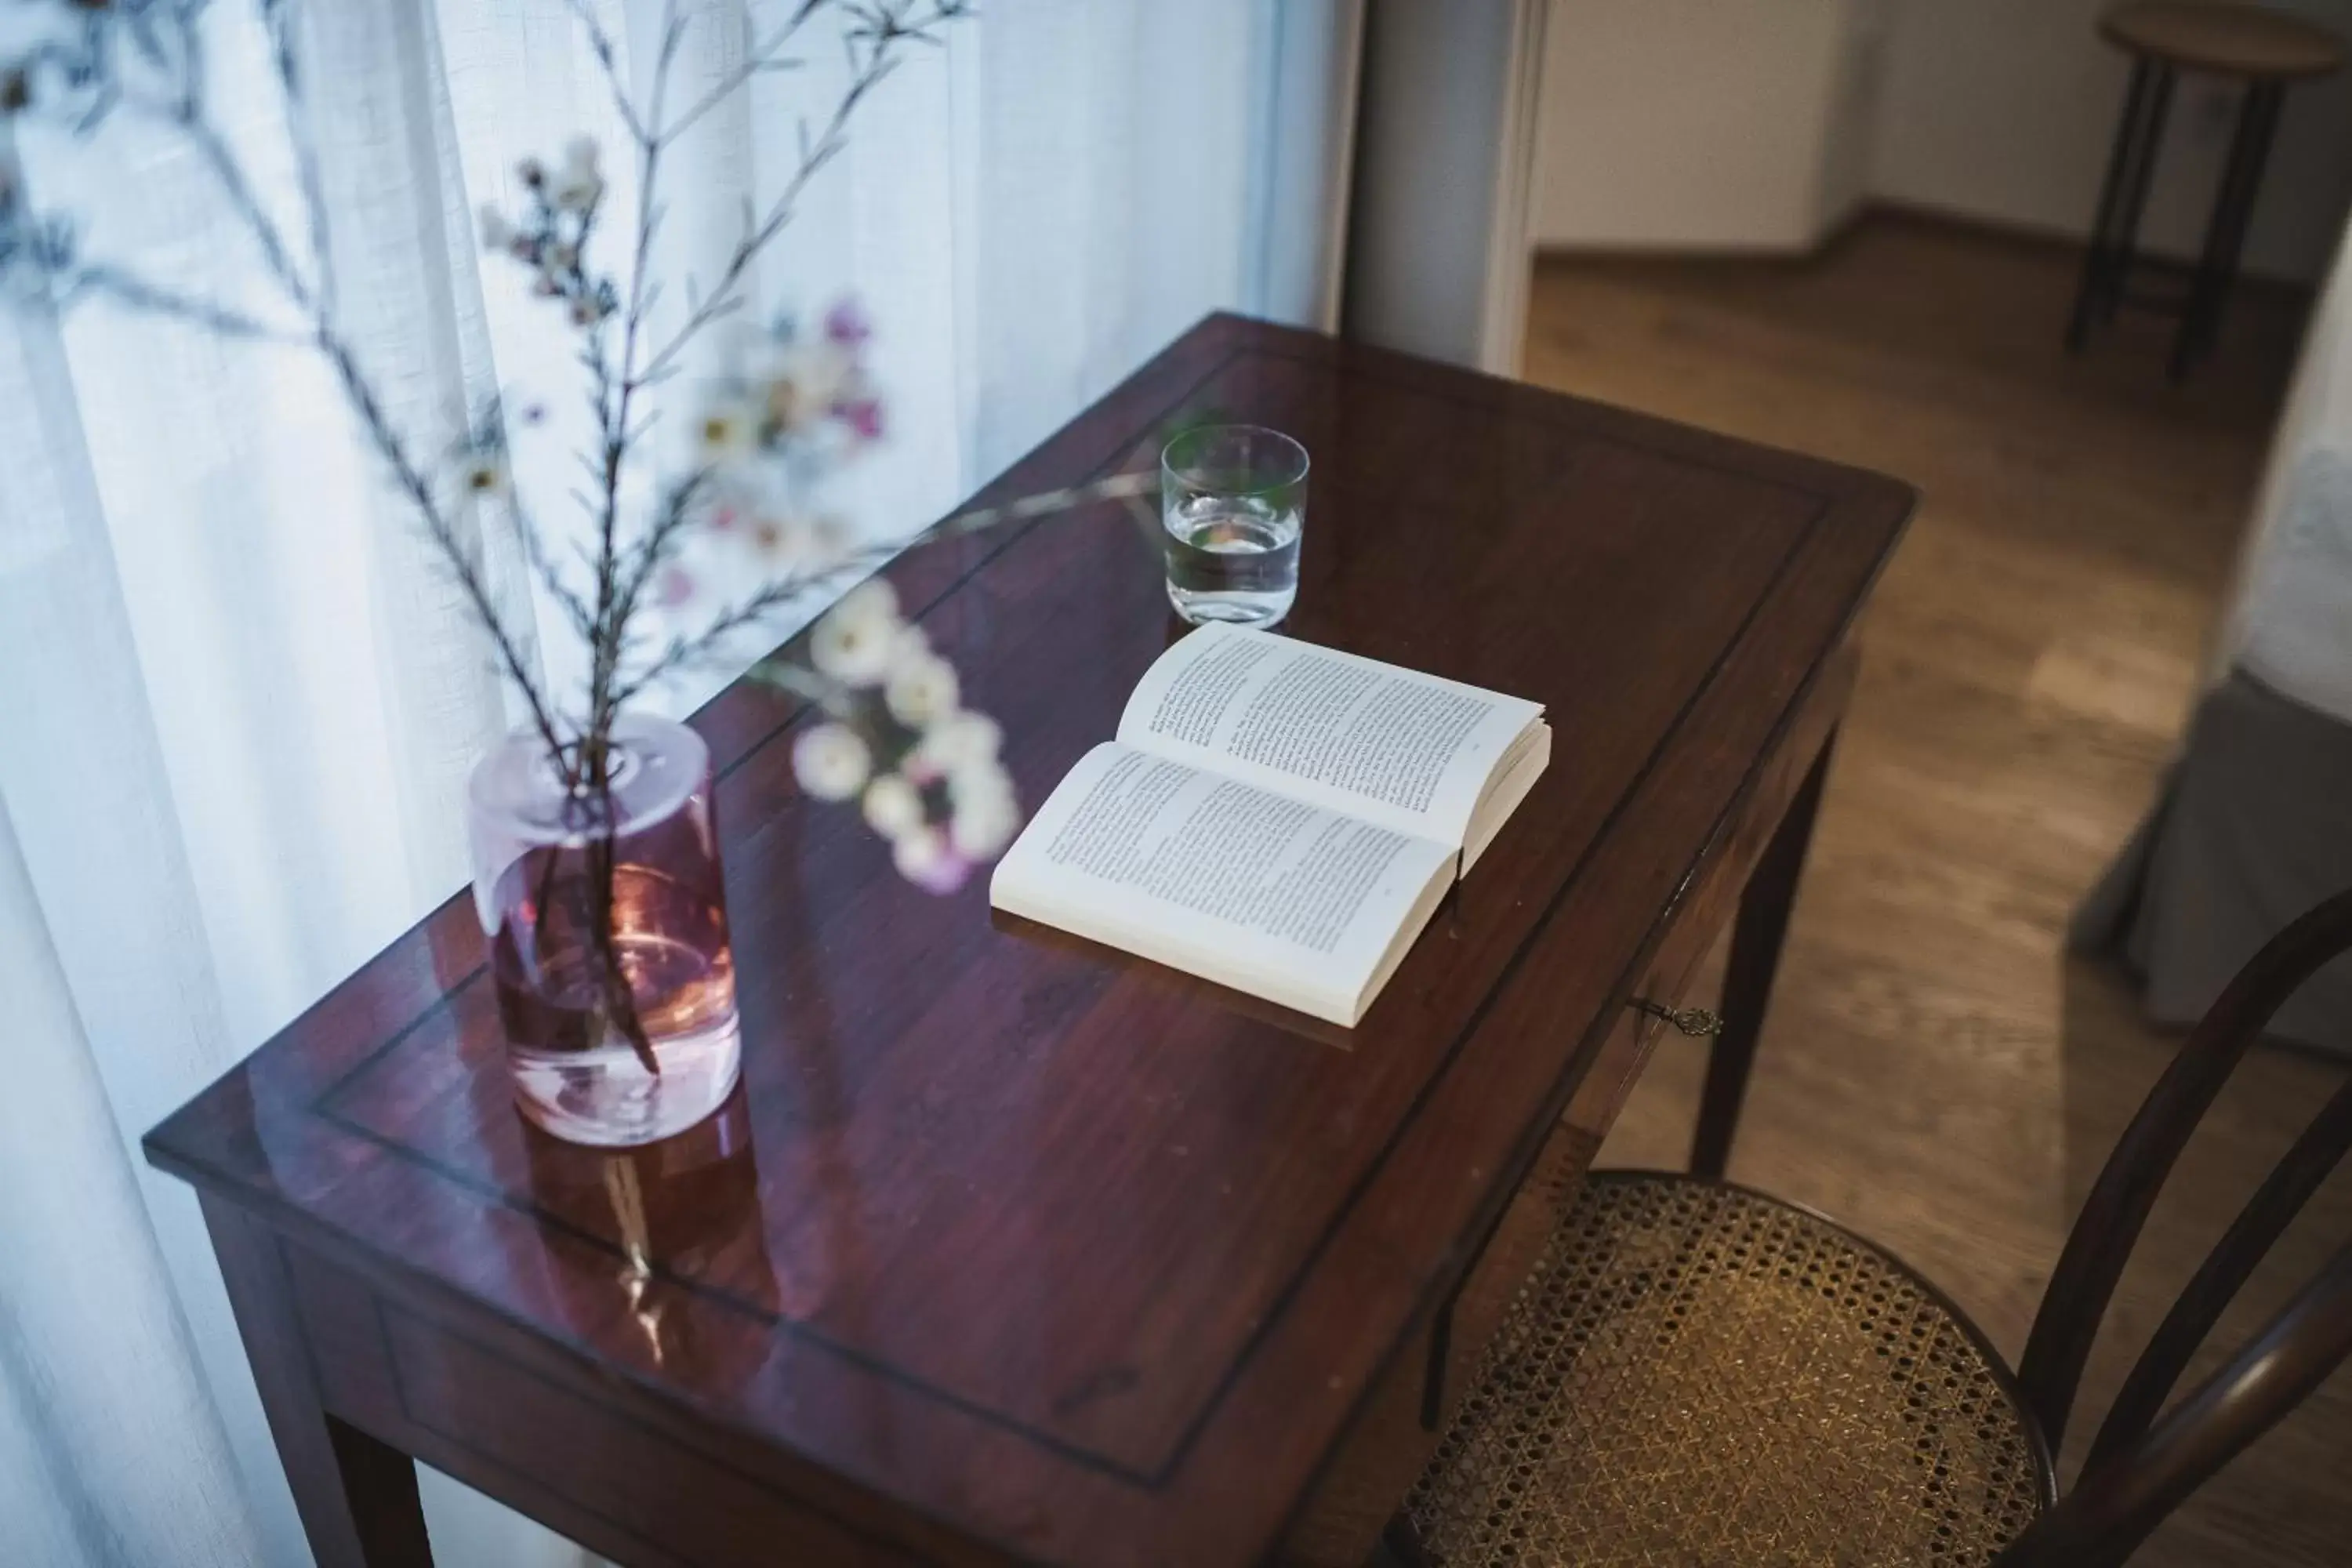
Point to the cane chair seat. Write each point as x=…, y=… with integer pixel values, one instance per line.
x=1698, y=1374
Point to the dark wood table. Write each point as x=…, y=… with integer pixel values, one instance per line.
x=1014, y=1249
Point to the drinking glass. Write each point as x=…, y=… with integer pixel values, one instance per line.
x=1234, y=500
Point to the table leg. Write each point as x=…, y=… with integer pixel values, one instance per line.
x=357, y=1495
x=1400, y=1547
x=1755, y=935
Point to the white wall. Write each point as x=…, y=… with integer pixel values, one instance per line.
x=1685, y=124
x=1852, y=125
x=2005, y=110
x=1757, y=124
x=1439, y=230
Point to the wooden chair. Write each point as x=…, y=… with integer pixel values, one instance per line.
x=1698, y=1373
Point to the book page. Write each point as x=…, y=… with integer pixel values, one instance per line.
x=1409, y=752
x=1253, y=890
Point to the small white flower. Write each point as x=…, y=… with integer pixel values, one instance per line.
x=789, y=543
x=872, y=599
x=893, y=806
x=577, y=186
x=775, y=541
x=485, y=474
x=930, y=861
x=823, y=543
x=979, y=781
x=497, y=234
x=959, y=741
x=782, y=408
x=831, y=761
x=799, y=382
x=922, y=690
x=727, y=429
x=986, y=814
x=910, y=655
x=853, y=643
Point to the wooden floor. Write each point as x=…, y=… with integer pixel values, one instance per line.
x=1935, y=1072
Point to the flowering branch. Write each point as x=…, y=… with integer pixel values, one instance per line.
x=151, y=299
x=278, y=17
x=455, y=552
x=684, y=651
x=88, y=68
x=148, y=55
x=799, y=401
x=759, y=55
x=881, y=28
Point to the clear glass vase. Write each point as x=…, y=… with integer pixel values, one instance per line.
x=607, y=922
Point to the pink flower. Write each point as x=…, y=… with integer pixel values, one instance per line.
x=863, y=416
x=929, y=862
x=675, y=588
x=847, y=324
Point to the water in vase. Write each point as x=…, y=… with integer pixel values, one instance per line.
x=578, y=1070
x=607, y=921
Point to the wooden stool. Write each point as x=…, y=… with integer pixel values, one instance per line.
x=2266, y=50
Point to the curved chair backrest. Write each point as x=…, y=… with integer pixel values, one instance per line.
x=2141, y=1466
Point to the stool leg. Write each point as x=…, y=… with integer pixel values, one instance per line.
x=2111, y=190
x=2119, y=262
x=2225, y=232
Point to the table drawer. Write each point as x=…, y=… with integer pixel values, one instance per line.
x=1393, y=1437
x=607, y=1470
x=1399, y=1429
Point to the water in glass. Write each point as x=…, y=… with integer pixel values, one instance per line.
x=1232, y=558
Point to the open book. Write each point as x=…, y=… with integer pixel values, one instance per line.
x=1276, y=818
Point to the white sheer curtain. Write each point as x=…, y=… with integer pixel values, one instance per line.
x=236, y=702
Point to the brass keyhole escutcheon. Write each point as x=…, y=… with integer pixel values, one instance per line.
x=1699, y=1022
